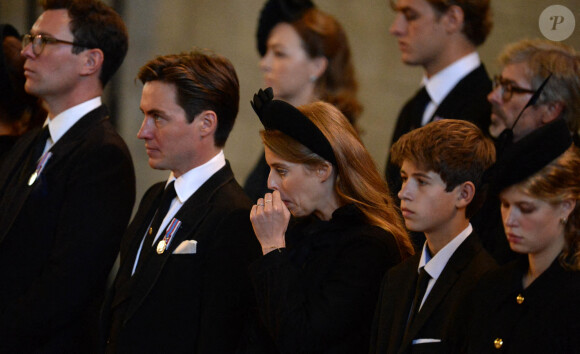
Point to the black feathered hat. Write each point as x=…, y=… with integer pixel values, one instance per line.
x=276, y=11
x=282, y=116
x=529, y=155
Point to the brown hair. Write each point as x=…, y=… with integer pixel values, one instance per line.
x=558, y=181
x=323, y=36
x=204, y=81
x=358, y=181
x=457, y=150
x=543, y=58
x=477, y=21
x=96, y=25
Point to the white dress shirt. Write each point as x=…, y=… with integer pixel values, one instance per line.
x=185, y=186
x=435, y=265
x=60, y=124
x=439, y=85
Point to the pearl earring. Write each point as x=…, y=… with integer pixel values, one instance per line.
x=313, y=78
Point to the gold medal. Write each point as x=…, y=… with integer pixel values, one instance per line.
x=32, y=178
x=161, y=247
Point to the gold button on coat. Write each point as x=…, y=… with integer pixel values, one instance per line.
x=519, y=299
x=498, y=343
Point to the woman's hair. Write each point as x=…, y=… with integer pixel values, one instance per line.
x=558, y=181
x=357, y=179
x=323, y=36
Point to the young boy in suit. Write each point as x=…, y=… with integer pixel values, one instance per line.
x=441, y=165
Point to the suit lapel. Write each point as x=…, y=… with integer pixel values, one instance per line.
x=464, y=88
x=18, y=189
x=136, y=230
x=405, y=294
x=456, y=264
x=191, y=215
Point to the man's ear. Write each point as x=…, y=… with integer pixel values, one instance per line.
x=553, y=111
x=465, y=194
x=93, y=61
x=454, y=19
x=208, y=122
x=324, y=171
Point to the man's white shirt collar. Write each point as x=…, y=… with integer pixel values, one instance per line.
x=440, y=84
x=185, y=185
x=435, y=265
x=60, y=124
x=189, y=182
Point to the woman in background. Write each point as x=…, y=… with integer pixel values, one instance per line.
x=317, y=283
x=305, y=57
x=531, y=305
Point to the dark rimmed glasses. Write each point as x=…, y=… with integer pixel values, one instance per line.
x=507, y=89
x=40, y=40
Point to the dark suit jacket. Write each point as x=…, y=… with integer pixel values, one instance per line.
x=466, y=101
x=545, y=321
x=436, y=318
x=60, y=236
x=194, y=303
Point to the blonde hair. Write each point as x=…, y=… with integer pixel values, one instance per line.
x=556, y=182
x=358, y=180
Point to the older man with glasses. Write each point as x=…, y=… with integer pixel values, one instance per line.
x=527, y=64
x=66, y=190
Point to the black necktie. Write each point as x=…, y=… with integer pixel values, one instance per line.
x=162, y=210
x=420, y=289
x=421, y=101
x=39, y=145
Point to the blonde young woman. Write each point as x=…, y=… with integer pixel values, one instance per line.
x=531, y=305
x=317, y=283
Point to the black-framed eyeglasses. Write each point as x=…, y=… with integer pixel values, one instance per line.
x=507, y=89
x=40, y=40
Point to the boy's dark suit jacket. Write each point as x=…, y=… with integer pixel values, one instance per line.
x=60, y=236
x=437, y=316
x=466, y=101
x=194, y=303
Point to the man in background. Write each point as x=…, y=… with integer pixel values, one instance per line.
x=66, y=190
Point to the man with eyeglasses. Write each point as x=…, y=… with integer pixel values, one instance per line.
x=539, y=85
x=66, y=190
x=527, y=64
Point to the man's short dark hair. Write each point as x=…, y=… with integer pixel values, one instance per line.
x=96, y=25
x=203, y=81
x=477, y=17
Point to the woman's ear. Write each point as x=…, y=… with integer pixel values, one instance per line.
x=319, y=65
x=567, y=207
x=324, y=171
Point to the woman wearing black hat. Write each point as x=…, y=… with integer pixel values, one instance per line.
x=318, y=281
x=533, y=305
x=305, y=57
